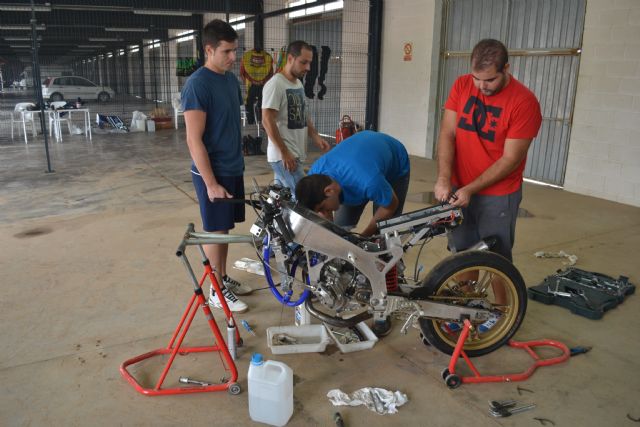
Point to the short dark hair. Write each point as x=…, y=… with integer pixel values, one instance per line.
x=216, y=31
x=489, y=52
x=310, y=190
x=295, y=48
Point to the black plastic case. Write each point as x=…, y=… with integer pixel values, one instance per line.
x=583, y=292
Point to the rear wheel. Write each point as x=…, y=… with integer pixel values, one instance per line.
x=104, y=97
x=474, y=279
x=55, y=97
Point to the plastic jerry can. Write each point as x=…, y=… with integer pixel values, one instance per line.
x=302, y=316
x=270, y=385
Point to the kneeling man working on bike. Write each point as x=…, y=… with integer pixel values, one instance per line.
x=368, y=166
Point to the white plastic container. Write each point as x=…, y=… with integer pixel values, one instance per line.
x=137, y=125
x=299, y=339
x=369, y=341
x=151, y=126
x=270, y=385
x=301, y=316
x=250, y=265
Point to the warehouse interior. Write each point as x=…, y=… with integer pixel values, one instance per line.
x=92, y=213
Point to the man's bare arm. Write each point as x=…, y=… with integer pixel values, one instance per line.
x=515, y=151
x=269, y=121
x=316, y=138
x=195, y=122
x=383, y=212
x=446, y=155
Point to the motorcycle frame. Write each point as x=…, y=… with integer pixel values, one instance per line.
x=299, y=225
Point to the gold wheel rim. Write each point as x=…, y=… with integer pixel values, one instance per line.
x=476, y=339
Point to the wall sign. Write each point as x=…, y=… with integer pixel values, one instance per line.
x=408, y=51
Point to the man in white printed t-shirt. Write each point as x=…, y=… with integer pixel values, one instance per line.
x=285, y=118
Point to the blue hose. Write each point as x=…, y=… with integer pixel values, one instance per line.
x=284, y=299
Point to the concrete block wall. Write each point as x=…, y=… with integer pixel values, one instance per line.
x=604, y=150
x=406, y=91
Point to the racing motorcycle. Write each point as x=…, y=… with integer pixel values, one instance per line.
x=344, y=278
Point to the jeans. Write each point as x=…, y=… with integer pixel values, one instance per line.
x=287, y=178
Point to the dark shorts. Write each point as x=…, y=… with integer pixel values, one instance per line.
x=488, y=216
x=220, y=216
x=347, y=216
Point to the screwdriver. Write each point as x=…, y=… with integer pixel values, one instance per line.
x=247, y=327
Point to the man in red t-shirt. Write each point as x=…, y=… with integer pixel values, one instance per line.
x=489, y=122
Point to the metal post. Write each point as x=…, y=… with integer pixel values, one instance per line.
x=154, y=73
x=373, y=64
x=143, y=84
x=197, y=26
x=37, y=85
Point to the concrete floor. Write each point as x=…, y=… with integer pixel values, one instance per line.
x=89, y=279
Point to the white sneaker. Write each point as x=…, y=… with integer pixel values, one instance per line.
x=234, y=304
x=235, y=286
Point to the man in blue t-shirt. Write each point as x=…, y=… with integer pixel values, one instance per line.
x=211, y=101
x=368, y=166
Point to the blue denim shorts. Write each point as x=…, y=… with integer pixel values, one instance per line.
x=220, y=216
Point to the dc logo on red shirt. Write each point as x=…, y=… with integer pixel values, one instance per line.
x=479, y=118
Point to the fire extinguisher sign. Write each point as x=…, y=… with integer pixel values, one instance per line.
x=408, y=51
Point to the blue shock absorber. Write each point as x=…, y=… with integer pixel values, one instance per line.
x=284, y=299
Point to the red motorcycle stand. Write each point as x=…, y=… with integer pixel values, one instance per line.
x=175, y=348
x=454, y=380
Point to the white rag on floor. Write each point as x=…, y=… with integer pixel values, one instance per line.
x=378, y=400
x=571, y=259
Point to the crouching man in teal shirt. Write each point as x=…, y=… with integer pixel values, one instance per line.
x=368, y=166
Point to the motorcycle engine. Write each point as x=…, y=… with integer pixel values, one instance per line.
x=339, y=283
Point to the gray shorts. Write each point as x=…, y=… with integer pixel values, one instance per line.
x=488, y=216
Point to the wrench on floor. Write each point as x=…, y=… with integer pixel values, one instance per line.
x=507, y=412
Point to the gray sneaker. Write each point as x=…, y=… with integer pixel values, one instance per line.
x=235, y=286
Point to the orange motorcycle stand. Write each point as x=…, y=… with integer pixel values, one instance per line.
x=454, y=380
x=175, y=348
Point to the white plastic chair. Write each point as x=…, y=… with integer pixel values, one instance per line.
x=243, y=115
x=177, y=107
x=22, y=116
x=56, y=120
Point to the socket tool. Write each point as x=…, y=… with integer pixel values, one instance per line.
x=187, y=380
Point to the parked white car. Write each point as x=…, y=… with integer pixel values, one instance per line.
x=73, y=87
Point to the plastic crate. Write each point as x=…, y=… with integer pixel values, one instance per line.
x=369, y=341
x=163, y=123
x=309, y=339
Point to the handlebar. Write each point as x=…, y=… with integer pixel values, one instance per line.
x=253, y=203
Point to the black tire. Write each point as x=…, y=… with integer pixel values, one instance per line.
x=424, y=340
x=104, y=97
x=56, y=96
x=441, y=282
x=445, y=373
